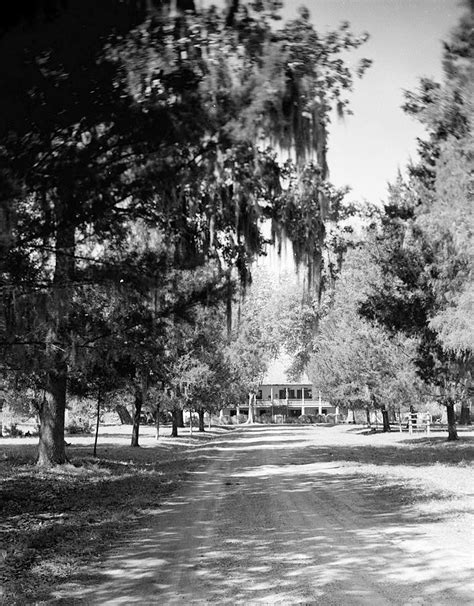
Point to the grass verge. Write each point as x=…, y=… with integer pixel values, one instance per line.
x=56, y=520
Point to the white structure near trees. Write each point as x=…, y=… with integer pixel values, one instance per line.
x=286, y=400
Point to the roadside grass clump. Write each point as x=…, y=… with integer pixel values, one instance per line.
x=55, y=520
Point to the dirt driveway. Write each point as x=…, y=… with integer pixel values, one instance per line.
x=277, y=516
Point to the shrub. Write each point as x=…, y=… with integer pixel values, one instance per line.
x=304, y=419
x=238, y=419
x=321, y=419
x=79, y=425
x=225, y=420
x=13, y=431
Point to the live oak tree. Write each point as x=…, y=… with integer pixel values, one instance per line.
x=355, y=361
x=255, y=339
x=157, y=117
x=201, y=373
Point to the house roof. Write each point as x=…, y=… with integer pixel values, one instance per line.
x=286, y=384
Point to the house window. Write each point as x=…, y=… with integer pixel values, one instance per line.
x=259, y=394
x=282, y=394
x=308, y=394
x=291, y=394
x=299, y=393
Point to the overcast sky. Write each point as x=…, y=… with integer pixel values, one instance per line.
x=366, y=150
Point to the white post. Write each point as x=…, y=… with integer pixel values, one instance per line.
x=302, y=401
x=337, y=414
x=271, y=400
x=287, y=403
x=320, y=405
x=410, y=425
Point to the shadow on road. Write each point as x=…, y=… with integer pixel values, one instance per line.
x=276, y=519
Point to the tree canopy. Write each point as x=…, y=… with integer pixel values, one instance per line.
x=137, y=164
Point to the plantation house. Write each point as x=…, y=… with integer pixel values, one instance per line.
x=282, y=400
x=291, y=400
x=286, y=400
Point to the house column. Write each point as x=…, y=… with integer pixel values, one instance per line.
x=287, y=403
x=337, y=414
x=320, y=405
x=302, y=401
x=271, y=399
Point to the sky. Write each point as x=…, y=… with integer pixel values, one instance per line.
x=367, y=149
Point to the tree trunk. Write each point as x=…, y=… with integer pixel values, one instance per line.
x=99, y=402
x=125, y=417
x=180, y=418
x=465, y=418
x=141, y=389
x=157, y=422
x=201, y=419
x=367, y=413
x=385, y=420
x=137, y=409
x=251, y=417
x=228, y=305
x=452, y=432
x=174, y=430
x=51, y=450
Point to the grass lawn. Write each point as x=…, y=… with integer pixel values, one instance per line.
x=56, y=520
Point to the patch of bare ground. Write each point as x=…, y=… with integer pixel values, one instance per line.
x=56, y=520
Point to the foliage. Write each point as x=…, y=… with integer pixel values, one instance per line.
x=255, y=340
x=160, y=124
x=425, y=247
x=355, y=360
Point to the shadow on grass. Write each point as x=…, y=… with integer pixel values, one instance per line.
x=54, y=520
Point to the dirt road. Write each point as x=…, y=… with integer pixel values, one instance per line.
x=274, y=517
